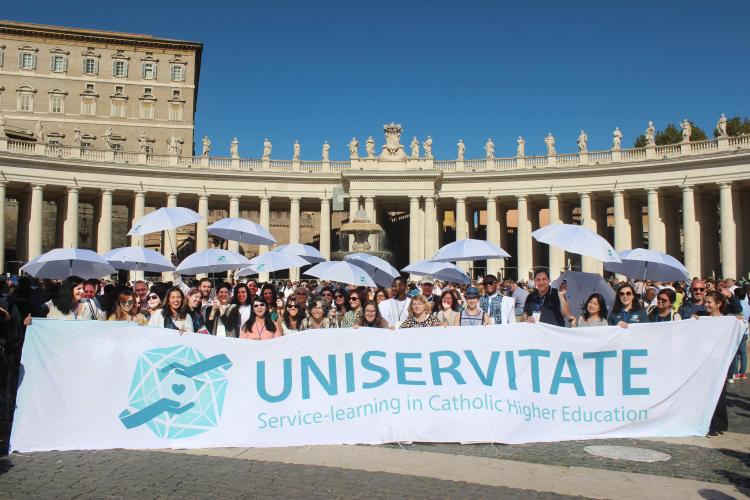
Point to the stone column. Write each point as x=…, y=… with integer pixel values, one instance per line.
x=36, y=220
x=234, y=212
x=493, y=233
x=2, y=227
x=655, y=224
x=622, y=238
x=265, y=221
x=70, y=238
x=588, y=264
x=353, y=209
x=502, y=229
x=325, y=227
x=370, y=211
x=462, y=227
x=413, y=229
x=104, y=228
x=294, y=230
x=201, y=233
x=728, y=232
x=691, y=232
x=430, y=233
x=524, y=239
x=421, y=234
x=139, y=210
x=556, y=255
x=170, y=237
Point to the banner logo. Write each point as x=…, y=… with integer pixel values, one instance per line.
x=177, y=392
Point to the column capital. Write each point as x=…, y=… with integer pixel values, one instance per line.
x=618, y=191
x=107, y=191
x=172, y=195
x=687, y=188
x=652, y=191
x=264, y=198
x=36, y=186
x=724, y=185
x=553, y=196
x=325, y=199
x=234, y=198
x=73, y=189
x=521, y=197
x=460, y=199
x=139, y=194
x=414, y=197
x=294, y=199
x=585, y=194
x=204, y=196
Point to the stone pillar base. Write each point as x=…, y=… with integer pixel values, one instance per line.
x=616, y=155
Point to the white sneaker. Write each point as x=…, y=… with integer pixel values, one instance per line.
x=730, y=380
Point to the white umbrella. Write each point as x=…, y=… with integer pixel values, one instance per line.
x=381, y=272
x=341, y=272
x=272, y=261
x=241, y=230
x=163, y=219
x=310, y=254
x=213, y=260
x=469, y=249
x=441, y=270
x=138, y=259
x=63, y=262
x=649, y=264
x=578, y=240
x=581, y=286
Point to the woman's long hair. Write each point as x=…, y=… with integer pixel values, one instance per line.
x=602, y=307
x=454, y=302
x=345, y=292
x=274, y=294
x=64, y=299
x=121, y=314
x=234, y=294
x=301, y=313
x=269, y=324
x=181, y=311
x=719, y=299
x=361, y=321
x=618, y=306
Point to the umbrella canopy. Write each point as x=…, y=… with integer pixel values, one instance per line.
x=63, y=262
x=649, y=264
x=342, y=272
x=310, y=254
x=272, y=261
x=213, y=260
x=581, y=286
x=381, y=272
x=138, y=259
x=163, y=219
x=578, y=240
x=441, y=270
x=469, y=250
x=241, y=230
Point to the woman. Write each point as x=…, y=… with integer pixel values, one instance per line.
x=67, y=304
x=154, y=300
x=340, y=306
x=472, y=315
x=448, y=313
x=243, y=307
x=380, y=295
x=221, y=319
x=193, y=301
x=293, y=317
x=420, y=314
x=173, y=314
x=664, y=310
x=316, y=317
x=355, y=309
x=594, y=314
x=270, y=297
x=260, y=326
x=126, y=309
x=371, y=317
x=627, y=310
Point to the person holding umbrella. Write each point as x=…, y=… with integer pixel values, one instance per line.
x=173, y=314
x=696, y=303
x=67, y=304
x=220, y=315
x=545, y=304
x=500, y=308
x=626, y=310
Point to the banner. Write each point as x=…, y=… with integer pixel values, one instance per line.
x=98, y=385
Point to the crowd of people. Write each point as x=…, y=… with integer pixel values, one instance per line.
x=261, y=311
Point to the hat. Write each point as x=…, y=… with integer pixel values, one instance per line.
x=427, y=279
x=413, y=293
x=471, y=291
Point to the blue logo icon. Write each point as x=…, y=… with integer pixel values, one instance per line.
x=177, y=392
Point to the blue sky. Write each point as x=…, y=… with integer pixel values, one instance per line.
x=470, y=70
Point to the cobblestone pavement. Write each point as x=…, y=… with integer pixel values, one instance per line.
x=151, y=474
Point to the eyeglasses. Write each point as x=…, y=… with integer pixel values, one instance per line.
x=153, y=296
x=259, y=305
x=292, y=306
x=662, y=301
x=339, y=296
x=353, y=299
x=626, y=294
x=327, y=294
x=127, y=302
x=698, y=289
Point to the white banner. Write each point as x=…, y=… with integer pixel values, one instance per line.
x=98, y=385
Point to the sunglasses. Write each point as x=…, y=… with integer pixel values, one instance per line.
x=259, y=305
x=127, y=302
x=626, y=294
x=327, y=294
x=292, y=306
x=153, y=296
x=699, y=289
x=662, y=301
x=339, y=296
x=353, y=299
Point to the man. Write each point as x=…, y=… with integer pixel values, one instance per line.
x=427, y=285
x=499, y=308
x=252, y=287
x=206, y=287
x=396, y=310
x=545, y=304
x=696, y=304
x=89, y=295
x=519, y=296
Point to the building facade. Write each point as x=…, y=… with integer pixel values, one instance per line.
x=98, y=90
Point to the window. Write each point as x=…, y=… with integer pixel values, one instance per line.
x=87, y=144
x=118, y=108
x=147, y=90
x=175, y=111
x=178, y=73
x=175, y=93
x=88, y=106
x=25, y=102
x=58, y=63
x=148, y=71
x=27, y=60
x=54, y=141
x=2, y=54
x=119, y=89
x=55, y=103
x=120, y=68
x=90, y=87
x=90, y=66
x=116, y=146
x=147, y=110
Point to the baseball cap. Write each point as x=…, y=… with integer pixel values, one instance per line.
x=427, y=279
